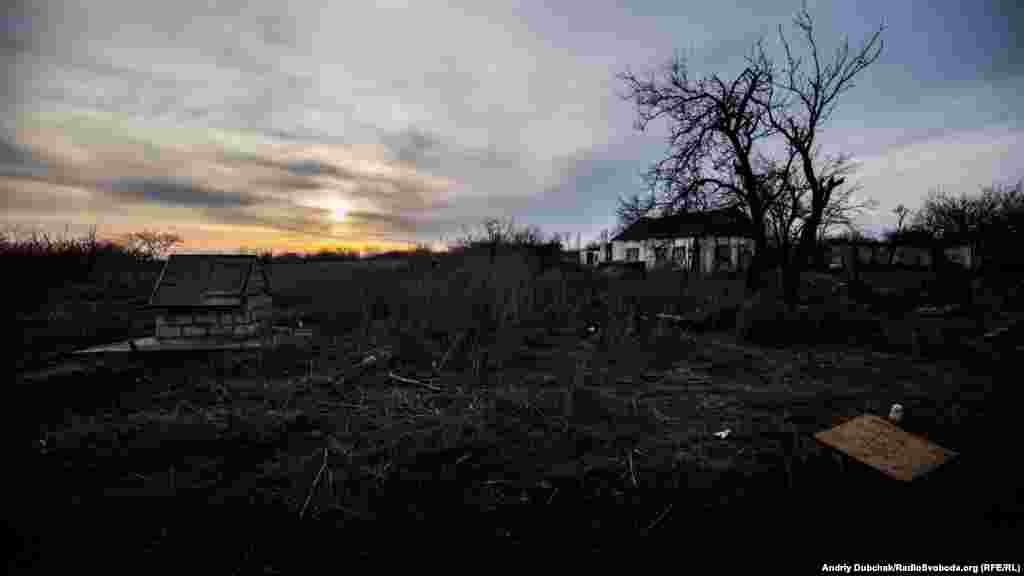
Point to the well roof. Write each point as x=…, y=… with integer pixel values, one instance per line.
x=205, y=280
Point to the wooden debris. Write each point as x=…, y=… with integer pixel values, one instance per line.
x=313, y=487
x=660, y=517
x=632, y=469
x=405, y=380
x=444, y=359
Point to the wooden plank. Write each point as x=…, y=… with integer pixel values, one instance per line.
x=150, y=344
x=884, y=446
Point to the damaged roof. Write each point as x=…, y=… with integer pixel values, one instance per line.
x=208, y=281
x=723, y=222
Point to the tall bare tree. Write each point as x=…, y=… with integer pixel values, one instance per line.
x=804, y=95
x=715, y=126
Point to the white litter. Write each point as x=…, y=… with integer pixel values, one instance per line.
x=723, y=434
x=896, y=413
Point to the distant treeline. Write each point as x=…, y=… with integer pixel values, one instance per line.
x=35, y=263
x=992, y=221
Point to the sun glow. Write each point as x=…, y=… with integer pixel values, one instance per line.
x=337, y=209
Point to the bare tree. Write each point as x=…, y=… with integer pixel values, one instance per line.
x=844, y=207
x=804, y=95
x=503, y=231
x=715, y=125
x=901, y=212
x=633, y=208
x=891, y=236
x=789, y=215
x=151, y=245
x=992, y=220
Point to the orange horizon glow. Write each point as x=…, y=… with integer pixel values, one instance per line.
x=210, y=239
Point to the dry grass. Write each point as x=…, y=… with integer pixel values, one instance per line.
x=473, y=395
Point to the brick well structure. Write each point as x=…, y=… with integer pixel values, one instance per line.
x=202, y=297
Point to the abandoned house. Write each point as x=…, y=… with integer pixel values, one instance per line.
x=596, y=254
x=904, y=255
x=211, y=296
x=705, y=242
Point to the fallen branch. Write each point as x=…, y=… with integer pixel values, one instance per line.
x=313, y=487
x=552, y=497
x=349, y=511
x=426, y=385
x=632, y=471
x=660, y=517
x=444, y=359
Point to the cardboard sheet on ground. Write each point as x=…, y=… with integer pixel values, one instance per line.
x=886, y=447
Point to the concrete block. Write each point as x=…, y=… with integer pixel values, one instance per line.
x=193, y=331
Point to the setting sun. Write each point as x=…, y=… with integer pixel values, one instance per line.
x=337, y=208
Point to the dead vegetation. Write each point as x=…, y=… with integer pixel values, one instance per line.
x=509, y=403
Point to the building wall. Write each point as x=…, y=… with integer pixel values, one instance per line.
x=916, y=256
x=962, y=255
x=600, y=256
x=707, y=247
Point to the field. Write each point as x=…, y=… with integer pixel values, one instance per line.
x=472, y=405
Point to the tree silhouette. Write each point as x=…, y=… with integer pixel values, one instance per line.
x=151, y=245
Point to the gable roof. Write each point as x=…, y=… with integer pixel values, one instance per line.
x=206, y=281
x=722, y=222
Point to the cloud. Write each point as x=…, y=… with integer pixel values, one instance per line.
x=171, y=192
x=287, y=218
x=415, y=147
x=18, y=162
x=393, y=113
x=959, y=162
x=37, y=198
x=289, y=188
x=382, y=185
x=313, y=168
x=373, y=222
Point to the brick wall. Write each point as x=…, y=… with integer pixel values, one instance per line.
x=236, y=324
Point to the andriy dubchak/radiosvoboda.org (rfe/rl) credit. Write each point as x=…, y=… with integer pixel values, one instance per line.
x=986, y=568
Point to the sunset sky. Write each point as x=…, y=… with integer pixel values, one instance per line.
x=314, y=123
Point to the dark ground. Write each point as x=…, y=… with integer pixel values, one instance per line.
x=495, y=469
x=141, y=464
